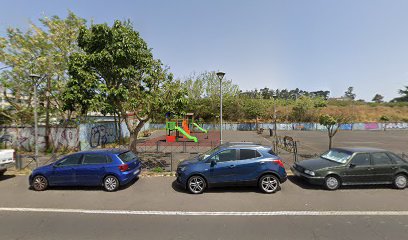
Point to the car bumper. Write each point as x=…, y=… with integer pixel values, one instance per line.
x=181, y=179
x=4, y=166
x=308, y=178
x=284, y=178
x=130, y=175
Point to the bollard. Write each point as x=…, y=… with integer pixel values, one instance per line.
x=19, y=164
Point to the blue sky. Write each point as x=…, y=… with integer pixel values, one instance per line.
x=312, y=45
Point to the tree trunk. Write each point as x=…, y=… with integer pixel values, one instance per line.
x=47, y=115
x=330, y=142
x=133, y=135
x=120, y=128
x=115, y=123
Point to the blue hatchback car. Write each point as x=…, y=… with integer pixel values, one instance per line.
x=109, y=168
x=233, y=164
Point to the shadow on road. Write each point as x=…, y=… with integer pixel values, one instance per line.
x=305, y=185
x=5, y=177
x=87, y=188
x=233, y=189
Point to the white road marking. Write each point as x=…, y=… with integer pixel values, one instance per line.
x=187, y=213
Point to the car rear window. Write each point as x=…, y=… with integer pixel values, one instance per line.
x=248, y=154
x=271, y=152
x=396, y=158
x=128, y=156
x=95, y=159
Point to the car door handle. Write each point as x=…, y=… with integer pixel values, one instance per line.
x=370, y=168
x=262, y=162
x=231, y=166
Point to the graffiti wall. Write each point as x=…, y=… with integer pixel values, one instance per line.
x=23, y=138
x=293, y=126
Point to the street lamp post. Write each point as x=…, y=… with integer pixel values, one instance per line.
x=220, y=76
x=35, y=78
x=274, y=121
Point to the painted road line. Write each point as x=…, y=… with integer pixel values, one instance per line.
x=188, y=213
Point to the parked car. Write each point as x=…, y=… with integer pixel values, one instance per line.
x=233, y=164
x=354, y=166
x=6, y=160
x=109, y=168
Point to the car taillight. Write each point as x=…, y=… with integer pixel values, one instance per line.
x=123, y=167
x=279, y=162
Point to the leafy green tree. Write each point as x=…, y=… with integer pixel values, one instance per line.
x=117, y=69
x=378, y=98
x=42, y=50
x=350, y=94
x=203, y=93
x=404, y=97
x=385, y=119
x=304, y=109
x=332, y=123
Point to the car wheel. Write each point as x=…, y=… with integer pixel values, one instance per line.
x=196, y=184
x=111, y=183
x=332, y=182
x=40, y=183
x=400, y=181
x=269, y=183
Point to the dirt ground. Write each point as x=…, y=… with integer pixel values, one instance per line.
x=313, y=142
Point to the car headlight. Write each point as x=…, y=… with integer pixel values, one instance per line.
x=311, y=173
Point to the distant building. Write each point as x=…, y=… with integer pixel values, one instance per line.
x=340, y=99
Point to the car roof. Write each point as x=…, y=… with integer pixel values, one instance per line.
x=362, y=149
x=105, y=150
x=243, y=145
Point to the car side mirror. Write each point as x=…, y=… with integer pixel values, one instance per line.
x=213, y=163
x=352, y=165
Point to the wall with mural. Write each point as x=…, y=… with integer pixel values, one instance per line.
x=22, y=138
x=294, y=126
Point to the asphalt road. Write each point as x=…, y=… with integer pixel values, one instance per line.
x=155, y=208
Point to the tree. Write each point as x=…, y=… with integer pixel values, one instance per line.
x=385, y=120
x=117, y=70
x=42, y=50
x=404, y=97
x=350, y=94
x=378, y=98
x=203, y=92
x=332, y=123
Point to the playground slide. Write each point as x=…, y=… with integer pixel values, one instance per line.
x=186, y=134
x=200, y=128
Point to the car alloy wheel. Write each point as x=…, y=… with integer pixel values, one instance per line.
x=111, y=183
x=40, y=183
x=269, y=183
x=400, y=181
x=196, y=184
x=332, y=182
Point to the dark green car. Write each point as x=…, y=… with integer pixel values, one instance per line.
x=354, y=166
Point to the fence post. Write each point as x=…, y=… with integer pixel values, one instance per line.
x=171, y=161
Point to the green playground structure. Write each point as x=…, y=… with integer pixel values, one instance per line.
x=183, y=124
x=200, y=128
x=186, y=134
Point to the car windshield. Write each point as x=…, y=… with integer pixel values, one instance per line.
x=337, y=156
x=127, y=156
x=203, y=156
